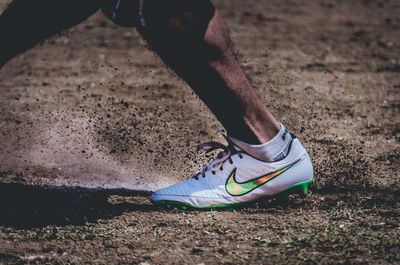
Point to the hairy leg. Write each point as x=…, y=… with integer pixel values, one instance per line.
x=192, y=39
x=27, y=22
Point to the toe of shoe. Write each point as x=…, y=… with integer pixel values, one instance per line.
x=158, y=195
x=171, y=193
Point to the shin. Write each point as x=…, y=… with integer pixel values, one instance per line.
x=192, y=39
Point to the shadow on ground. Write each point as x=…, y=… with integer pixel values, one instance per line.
x=28, y=206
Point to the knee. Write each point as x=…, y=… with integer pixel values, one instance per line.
x=122, y=12
x=186, y=14
x=174, y=8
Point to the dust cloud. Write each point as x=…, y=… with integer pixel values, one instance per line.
x=69, y=150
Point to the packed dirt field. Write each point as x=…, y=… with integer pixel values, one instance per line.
x=91, y=121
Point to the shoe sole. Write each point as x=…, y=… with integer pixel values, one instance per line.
x=299, y=188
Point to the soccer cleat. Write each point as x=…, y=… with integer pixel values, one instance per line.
x=235, y=177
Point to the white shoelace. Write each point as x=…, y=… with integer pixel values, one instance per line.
x=222, y=157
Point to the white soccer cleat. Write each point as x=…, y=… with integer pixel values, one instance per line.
x=235, y=177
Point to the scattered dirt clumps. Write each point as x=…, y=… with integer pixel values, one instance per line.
x=90, y=115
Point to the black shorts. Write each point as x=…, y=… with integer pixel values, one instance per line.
x=132, y=13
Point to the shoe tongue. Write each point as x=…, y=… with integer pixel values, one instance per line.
x=237, y=148
x=221, y=154
x=233, y=143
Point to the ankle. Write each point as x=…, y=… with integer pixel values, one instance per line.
x=253, y=135
x=246, y=136
x=272, y=150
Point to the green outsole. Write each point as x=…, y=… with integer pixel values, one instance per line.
x=300, y=188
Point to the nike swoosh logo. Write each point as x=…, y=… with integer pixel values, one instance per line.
x=235, y=188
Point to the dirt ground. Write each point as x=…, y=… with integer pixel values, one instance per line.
x=91, y=121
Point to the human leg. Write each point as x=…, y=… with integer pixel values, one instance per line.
x=182, y=32
x=192, y=39
x=27, y=22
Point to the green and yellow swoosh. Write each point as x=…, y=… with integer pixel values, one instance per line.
x=235, y=188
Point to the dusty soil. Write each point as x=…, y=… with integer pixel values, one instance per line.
x=91, y=120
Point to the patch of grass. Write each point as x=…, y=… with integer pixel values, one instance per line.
x=345, y=244
x=5, y=174
x=392, y=157
x=74, y=233
x=351, y=235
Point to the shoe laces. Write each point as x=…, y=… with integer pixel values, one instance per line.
x=222, y=157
